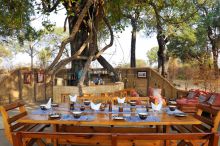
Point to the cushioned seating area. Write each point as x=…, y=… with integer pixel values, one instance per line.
x=196, y=97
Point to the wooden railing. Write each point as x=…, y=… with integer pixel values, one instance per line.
x=115, y=139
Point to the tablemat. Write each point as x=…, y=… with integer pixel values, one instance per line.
x=137, y=119
x=41, y=112
x=68, y=117
x=176, y=111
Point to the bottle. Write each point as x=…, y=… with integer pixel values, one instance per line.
x=109, y=106
x=72, y=106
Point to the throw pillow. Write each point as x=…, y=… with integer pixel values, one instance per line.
x=152, y=90
x=212, y=99
x=157, y=92
x=191, y=95
x=202, y=98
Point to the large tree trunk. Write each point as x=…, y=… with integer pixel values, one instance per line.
x=215, y=60
x=160, y=39
x=80, y=38
x=160, y=54
x=133, y=42
x=214, y=51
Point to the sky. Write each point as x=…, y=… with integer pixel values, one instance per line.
x=119, y=53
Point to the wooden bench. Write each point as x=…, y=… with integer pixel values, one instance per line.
x=210, y=118
x=115, y=139
x=17, y=110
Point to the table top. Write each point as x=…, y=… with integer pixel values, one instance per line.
x=107, y=118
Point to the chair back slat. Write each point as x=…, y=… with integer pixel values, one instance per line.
x=14, y=105
x=16, y=126
x=208, y=109
x=16, y=117
x=204, y=120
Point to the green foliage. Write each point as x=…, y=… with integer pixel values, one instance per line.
x=44, y=56
x=4, y=52
x=152, y=55
x=15, y=17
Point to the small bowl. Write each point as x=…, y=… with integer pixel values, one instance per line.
x=87, y=102
x=172, y=108
x=43, y=107
x=77, y=114
x=54, y=115
x=133, y=103
x=142, y=116
x=82, y=108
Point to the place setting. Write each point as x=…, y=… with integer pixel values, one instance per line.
x=77, y=116
x=172, y=110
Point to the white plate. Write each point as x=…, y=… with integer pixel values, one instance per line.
x=180, y=115
x=54, y=115
x=54, y=105
x=118, y=118
x=172, y=102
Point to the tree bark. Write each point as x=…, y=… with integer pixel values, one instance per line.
x=80, y=38
x=214, y=52
x=109, y=68
x=160, y=54
x=74, y=31
x=133, y=42
x=161, y=41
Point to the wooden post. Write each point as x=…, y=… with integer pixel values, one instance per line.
x=20, y=84
x=148, y=81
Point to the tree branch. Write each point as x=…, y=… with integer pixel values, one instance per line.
x=48, y=8
x=111, y=39
x=73, y=57
x=73, y=33
x=64, y=26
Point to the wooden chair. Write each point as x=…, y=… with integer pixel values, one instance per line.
x=209, y=117
x=17, y=110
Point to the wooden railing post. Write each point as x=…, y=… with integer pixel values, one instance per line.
x=214, y=139
x=114, y=140
x=17, y=139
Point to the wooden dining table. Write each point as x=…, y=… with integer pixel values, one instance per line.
x=106, y=118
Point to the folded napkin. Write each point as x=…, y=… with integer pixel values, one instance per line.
x=121, y=100
x=73, y=98
x=48, y=105
x=157, y=107
x=95, y=106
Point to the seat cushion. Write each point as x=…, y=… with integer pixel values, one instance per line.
x=185, y=101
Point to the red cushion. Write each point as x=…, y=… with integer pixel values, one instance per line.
x=151, y=91
x=133, y=93
x=187, y=101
